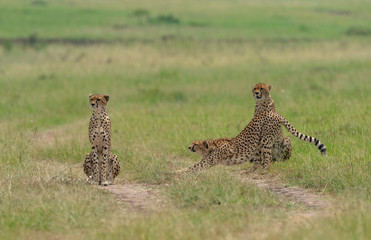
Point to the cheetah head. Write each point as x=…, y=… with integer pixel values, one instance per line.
x=98, y=100
x=202, y=148
x=261, y=91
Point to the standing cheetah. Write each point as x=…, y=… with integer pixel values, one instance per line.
x=100, y=165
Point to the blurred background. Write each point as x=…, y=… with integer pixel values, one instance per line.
x=176, y=52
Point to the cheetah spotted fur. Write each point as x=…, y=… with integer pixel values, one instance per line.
x=282, y=148
x=100, y=165
x=205, y=147
x=258, y=136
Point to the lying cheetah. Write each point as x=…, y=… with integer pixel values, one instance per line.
x=258, y=134
x=100, y=165
x=205, y=147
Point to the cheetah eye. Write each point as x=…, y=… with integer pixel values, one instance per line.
x=98, y=100
x=206, y=145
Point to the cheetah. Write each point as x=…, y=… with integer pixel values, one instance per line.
x=282, y=148
x=205, y=147
x=258, y=134
x=100, y=165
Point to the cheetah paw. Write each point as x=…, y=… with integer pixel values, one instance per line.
x=91, y=181
x=106, y=183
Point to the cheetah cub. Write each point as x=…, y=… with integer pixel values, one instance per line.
x=100, y=165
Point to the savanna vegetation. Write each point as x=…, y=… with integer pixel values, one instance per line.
x=178, y=71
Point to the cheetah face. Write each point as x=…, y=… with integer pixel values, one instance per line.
x=202, y=148
x=98, y=100
x=261, y=90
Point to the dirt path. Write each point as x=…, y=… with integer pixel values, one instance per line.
x=314, y=205
x=307, y=198
x=137, y=197
x=144, y=198
x=134, y=197
x=147, y=198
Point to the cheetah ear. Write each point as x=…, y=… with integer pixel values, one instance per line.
x=206, y=145
x=106, y=97
x=270, y=87
x=90, y=95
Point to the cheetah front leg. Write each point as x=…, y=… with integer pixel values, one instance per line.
x=205, y=163
x=267, y=143
x=95, y=165
x=257, y=161
x=209, y=161
x=105, y=167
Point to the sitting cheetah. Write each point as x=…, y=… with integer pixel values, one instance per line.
x=100, y=165
x=258, y=134
x=205, y=147
x=282, y=148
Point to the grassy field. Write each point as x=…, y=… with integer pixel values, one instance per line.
x=178, y=71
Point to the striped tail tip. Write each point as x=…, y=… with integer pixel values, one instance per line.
x=321, y=147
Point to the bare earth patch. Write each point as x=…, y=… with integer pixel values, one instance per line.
x=315, y=204
x=293, y=194
x=136, y=197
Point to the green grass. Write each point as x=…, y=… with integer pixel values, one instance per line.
x=182, y=72
x=199, y=20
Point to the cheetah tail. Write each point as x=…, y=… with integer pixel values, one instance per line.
x=304, y=137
